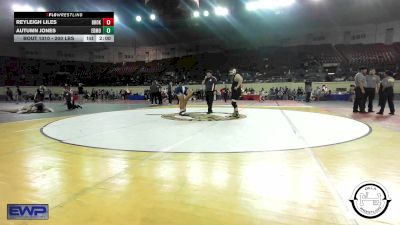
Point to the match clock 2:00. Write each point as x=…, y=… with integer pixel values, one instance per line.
x=105, y=38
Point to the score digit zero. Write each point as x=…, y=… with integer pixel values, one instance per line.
x=108, y=30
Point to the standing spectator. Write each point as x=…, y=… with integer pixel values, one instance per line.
x=122, y=93
x=387, y=93
x=9, y=94
x=74, y=97
x=224, y=92
x=50, y=94
x=262, y=95
x=19, y=94
x=93, y=95
x=36, y=97
x=352, y=93
x=39, y=96
x=42, y=89
x=380, y=94
x=317, y=94
x=324, y=89
x=169, y=92
x=128, y=92
x=372, y=87
x=159, y=95
x=68, y=97
x=360, y=83
x=308, y=89
x=81, y=92
x=153, y=93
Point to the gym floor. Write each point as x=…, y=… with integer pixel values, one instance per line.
x=85, y=181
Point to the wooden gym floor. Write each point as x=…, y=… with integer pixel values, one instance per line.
x=89, y=186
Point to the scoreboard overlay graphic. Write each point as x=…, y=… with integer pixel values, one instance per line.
x=63, y=27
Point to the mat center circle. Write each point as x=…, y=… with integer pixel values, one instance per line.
x=202, y=116
x=161, y=130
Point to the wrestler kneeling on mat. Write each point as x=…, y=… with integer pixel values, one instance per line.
x=184, y=94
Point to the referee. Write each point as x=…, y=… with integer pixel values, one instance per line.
x=372, y=86
x=209, y=81
x=387, y=93
x=360, y=83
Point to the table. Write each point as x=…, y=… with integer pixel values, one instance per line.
x=339, y=97
x=136, y=97
x=251, y=97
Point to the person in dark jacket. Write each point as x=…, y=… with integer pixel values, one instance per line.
x=169, y=92
x=153, y=93
x=159, y=95
x=209, y=82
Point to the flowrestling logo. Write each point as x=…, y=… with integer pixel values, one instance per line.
x=370, y=199
x=27, y=212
